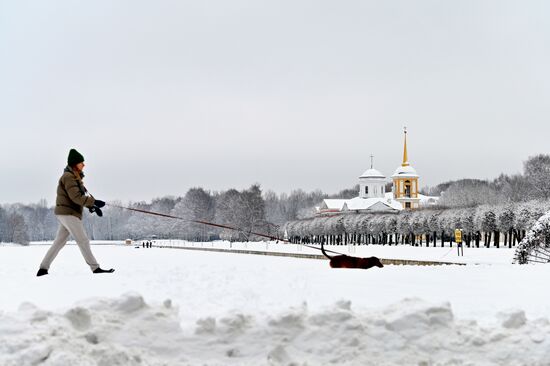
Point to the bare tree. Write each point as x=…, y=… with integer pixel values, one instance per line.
x=3, y=228
x=17, y=231
x=197, y=205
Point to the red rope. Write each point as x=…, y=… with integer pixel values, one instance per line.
x=197, y=222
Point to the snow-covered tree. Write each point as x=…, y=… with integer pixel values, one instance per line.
x=433, y=224
x=524, y=218
x=274, y=211
x=363, y=224
x=390, y=224
x=488, y=224
x=511, y=188
x=3, y=228
x=468, y=224
x=537, y=172
x=469, y=193
x=199, y=205
x=506, y=223
x=404, y=225
x=535, y=247
x=17, y=230
x=243, y=210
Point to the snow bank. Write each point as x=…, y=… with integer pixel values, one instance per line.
x=128, y=331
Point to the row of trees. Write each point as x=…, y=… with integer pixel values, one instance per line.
x=532, y=184
x=483, y=224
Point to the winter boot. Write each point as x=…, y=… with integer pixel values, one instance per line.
x=99, y=270
x=42, y=272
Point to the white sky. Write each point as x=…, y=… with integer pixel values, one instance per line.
x=161, y=96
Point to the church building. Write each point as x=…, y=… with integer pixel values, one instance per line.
x=373, y=197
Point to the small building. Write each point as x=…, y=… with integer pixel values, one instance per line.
x=372, y=184
x=331, y=205
x=375, y=204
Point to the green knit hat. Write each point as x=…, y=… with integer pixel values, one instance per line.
x=74, y=157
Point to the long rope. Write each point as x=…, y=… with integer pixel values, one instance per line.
x=212, y=224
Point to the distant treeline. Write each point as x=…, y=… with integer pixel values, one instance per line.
x=252, y=210
x=532, y=184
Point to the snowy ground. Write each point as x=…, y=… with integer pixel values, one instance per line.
x=180, y=307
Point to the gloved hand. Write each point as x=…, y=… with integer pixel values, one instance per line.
x=99, y=203
x=97, y=210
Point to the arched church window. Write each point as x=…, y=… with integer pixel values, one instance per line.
x=407, y=188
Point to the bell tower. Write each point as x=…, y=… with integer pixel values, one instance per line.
x=405, y=181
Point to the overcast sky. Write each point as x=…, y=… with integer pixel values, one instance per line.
x=160, y=96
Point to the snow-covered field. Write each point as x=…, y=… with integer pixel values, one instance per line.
x=181, y=307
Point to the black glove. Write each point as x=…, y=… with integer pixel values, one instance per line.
x=99, y=203
x=97, y=210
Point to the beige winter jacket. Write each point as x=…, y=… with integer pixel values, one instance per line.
x=71, y=195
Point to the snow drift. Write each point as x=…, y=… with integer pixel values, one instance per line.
x=128, y=331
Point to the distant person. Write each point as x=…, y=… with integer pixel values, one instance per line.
x=143, y=244
x=72, y=196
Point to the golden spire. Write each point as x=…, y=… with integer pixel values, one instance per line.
x=405, y=158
